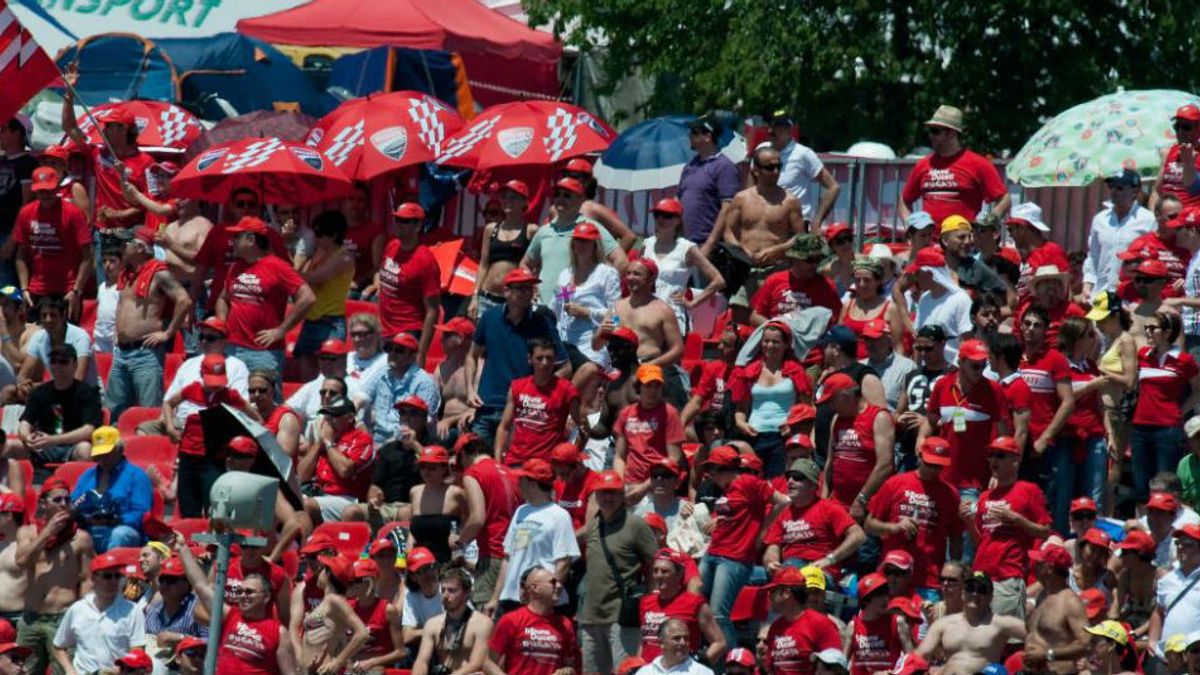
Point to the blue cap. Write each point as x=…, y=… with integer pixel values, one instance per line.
x=1123, y=176
x=994, y=669
x=12, y=293
x=918, y=220
x=843, y=336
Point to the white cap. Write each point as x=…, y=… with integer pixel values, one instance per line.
x=881, y=252
x=833, y=657
x=918, y=220
x=1192, y=427
x=1030, y=213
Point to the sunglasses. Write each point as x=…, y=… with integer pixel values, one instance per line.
x=243, y=204
x=108, y=576
x=1083, y=515
x=1184, y=126
x=329, y=392
x=1146, y=280
x=1000, y=455
x=844, y=239
x=397, y=349
x=564, y=193
x=770, y=167
x=359, y=334
x=662, y=475
x=408, y=221
x=211, y=337
x=258, y=390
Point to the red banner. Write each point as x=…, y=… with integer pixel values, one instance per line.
x=24, y=67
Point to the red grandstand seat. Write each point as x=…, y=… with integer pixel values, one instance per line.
x=152, y=451
x=70, y=472
x=693, y=350
x=103, y=365
x=190, y=526
x=351, y=538
x=158, y=505
x=359, y=306
x=290, y=388
x=129, y=420
x=170, y=367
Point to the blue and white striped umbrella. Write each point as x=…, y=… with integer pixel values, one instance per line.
x=651, y=155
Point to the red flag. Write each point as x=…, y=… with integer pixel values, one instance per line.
x=24, y=67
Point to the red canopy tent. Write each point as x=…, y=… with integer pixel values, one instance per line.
x=505, y=60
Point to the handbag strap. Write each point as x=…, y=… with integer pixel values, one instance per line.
x=1182, y=593
x=608, y=556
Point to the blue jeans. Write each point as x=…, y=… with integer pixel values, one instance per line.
x=1058, y=479
x=1092, y=473
x=723, y=579
x=195, y=479
x=105, y=537
x=1154, y=449
x=487, y=420
x=769, y=448
x=968, y=494
x=136, y=378
x=314, y=332
x=270, y=360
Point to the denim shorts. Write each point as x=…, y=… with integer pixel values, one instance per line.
x=314, y=332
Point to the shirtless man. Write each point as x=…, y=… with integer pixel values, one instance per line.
x=13, y=577
x=973, y=638
x=461, y=647
x=1058, y=635
x=147, y=288
x=182, y=238
x=659, y=340
x=15, y=331
x=58, y=554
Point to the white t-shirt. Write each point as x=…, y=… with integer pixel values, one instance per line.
x=189, y=372
x=39, y=347
x=418, y=609
x=538, y=536
x=598, y=294
x=1185, y=615
x=800, y=167
x=365, y=372
x=105, y=332
x=100, y=638
x=952, y=311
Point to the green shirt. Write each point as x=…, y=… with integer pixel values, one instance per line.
x=551, y=248
x=1189, y=474
x=632, y=544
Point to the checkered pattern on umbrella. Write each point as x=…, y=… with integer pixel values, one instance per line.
x=424, y=112
x=344, y=143
x=255, y=154
x=465, y=141
x=161, y=126
x=174, y=125
x=560, y=134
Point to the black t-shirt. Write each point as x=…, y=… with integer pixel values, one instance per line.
x=917, y=385
x=396, y=471
x=13, y=170
x=856, y=371
x=977, y=276
x=55, y=411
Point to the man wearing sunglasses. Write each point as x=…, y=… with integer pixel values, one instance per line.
x=1113, y=230
x=1178, y=595
x=102, y=626
x=952, y=180
x=969, y=640
x=216, y=254
x=1170, y=181
x=59, y=417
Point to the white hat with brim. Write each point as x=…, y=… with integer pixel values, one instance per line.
x=1027, y=213
x=832, y=657
x=1049, y=273
x=946, y=116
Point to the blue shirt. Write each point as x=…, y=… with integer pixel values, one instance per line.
x=183, y=622
x=129, y=488
x=507, y=348
x=389, y=389
x=704, y=184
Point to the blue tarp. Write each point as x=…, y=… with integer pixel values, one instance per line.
x=120, y=67
x=429, y=71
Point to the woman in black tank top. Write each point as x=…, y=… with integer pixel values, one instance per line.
x=501, y=252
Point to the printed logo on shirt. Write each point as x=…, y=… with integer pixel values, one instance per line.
x=246, y=640
x=531, y=411
x=44, y=238
x=389, y=274
x=541, y=645
x=637, y=425
x=248, y=287
x=918, y=506
x=797, y=531
x=1039, y=381
x=940, y=181
x=992, y=522
x=784, y=651
x=850, y=443
x=871, y=650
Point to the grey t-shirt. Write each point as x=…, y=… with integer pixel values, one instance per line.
x=39, y=346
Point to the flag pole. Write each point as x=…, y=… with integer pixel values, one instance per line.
x=86, y=110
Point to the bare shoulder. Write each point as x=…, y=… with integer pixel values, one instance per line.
x=744, y=194
x=479, y=622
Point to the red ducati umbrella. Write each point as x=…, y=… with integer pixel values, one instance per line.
x=370, y=136
x=526, y=132
x=282, y=172
x=162, y=127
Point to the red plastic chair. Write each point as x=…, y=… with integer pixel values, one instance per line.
x=170, y=367
x=152, y=451
x=129, y=420
x=158, y=505
x=693, y=350
x=103, y=365
x=351, y=538
x=189, y=527
x=69, y=472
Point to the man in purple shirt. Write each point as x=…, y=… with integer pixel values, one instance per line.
x=709, y=181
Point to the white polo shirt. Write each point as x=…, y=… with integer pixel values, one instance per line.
x=687, y=667
x=100, y=637
x=1185, y=615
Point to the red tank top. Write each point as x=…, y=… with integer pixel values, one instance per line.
x=685, y=606
x=501, y=497
x=853, y=449
x=249, y=647
x=375, y=618
x=857, y=325
x=276, y=416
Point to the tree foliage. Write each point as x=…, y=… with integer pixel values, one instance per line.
x=875, y=69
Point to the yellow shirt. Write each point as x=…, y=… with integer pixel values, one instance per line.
x=331, y=295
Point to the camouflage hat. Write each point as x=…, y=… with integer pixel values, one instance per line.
x=807, y=246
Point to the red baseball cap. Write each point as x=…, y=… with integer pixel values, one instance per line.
x=910, y=664
x=741, y=657
x=172, y=567
x=624, y=333
x=212, y=370
x=672, y=556
x=1094, y=603
x=215, y=323
x=119, y=115
x=608, y=480
x=1005, y=444
x=906, y=607
x=335, y=347
x=567, y=453
x=1130, y=253
x=656, y=521
x=1187, y=112
x=898, y=558
x=876, y=328
x=138, y=660
x=382, y=544
x=459, y=324
x=724, y=456
x=318, y=543
x=1163, y=501
x=871, y=583
x=836, y=229
x=8, y=634
x=13, y=648
x=104, y=562
x=57, y=151
x=364, y=568
x=670, y=206
x=520, y=275
x=788, y=577
x=517, y=186
x=799, y=440
x=189, y=643
x=1191, y=531
x=419, y=558
x=434, y=454
x=406, y=340
x=1010, y=254
x=413, y=402
x=801, y=412
x=248, y=224
x=1188, y=217
x=1152, y=268
x=242, y=445
x=1139, y=542
x=936, y=451
x=1097, y=537
x=1052, y=554
x=586, y=231
x=930, y=256
x=45, y=178
x=973, y=350
x=339, y=567
x=838, y=382
x=570, y=185
x=536, y=469
x=409, y=211
x=579, y=165
x=752, y=462
x=11, y=503
x=1083, y=504
x=630, y=665
x=145, y=235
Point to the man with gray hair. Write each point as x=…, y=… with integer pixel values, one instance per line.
x=675, y=637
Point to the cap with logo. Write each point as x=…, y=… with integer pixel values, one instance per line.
x=835, y=384
x=814, y=577
x=212, y=370
x=406, y=340
x=1006, y=444
x=45, y=178
x=434, y=454
x=409, y=211
x=536, y=469
x=382, y=545
x=520, y=275
x=787, y=577
x=106, y=562
x=936, y=451
x=1189, y=112
x=1097, y=537
x=586, y=231
x=104, y=439
x=136, y=660
x=669, y=206
x=898, y=558
x=973, y=350
x=1104, y=304
x=1123, y=177
x=801, y=412
x=242, y=445
x=608, y=480
x=571, y=185
x=724, y=456
x=1053, y=555
x=955, y=223
x=1162, y=501
x=1028, y=214
x=871, y=583
x=1083, y=505
x=338, y=407
x=249, y=224
x=1113, y=630
x=1139, y=542
x=740, y=656
x=1094, y=603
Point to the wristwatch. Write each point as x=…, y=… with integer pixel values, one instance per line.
x=1050, y=655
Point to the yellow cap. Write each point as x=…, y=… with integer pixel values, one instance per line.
x=160, y=548
x=1175, y=643
x=104, y=440
x=814, y=577
x=1113, y=630
x=955, y=223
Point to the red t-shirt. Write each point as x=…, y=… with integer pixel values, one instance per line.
x=539, y=419
x=249, y=647
x=874, y=645
x=1056, y=315
x=1042, y=374
x=501, y=495
x=782, y=292
x=934, y=507
x=406, y=278
x=534, y=645
x=216, y=253
x=791, y=644
x=809, y=532
x=379, y=633
x=358, y=243
x=1162, y=383
x=853, y=450
x=1172, y=178
x=1003, y=550
x=712, y=384
x=1085, y=420
x=958, y=184
x=358, y=446
x=573, y=496
x=684, y=606
x=108, y=183
x=258, y=295
x=975, y=415
x=647, y=434
x=740, y=513
x=54, y=238
x=191, y=438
